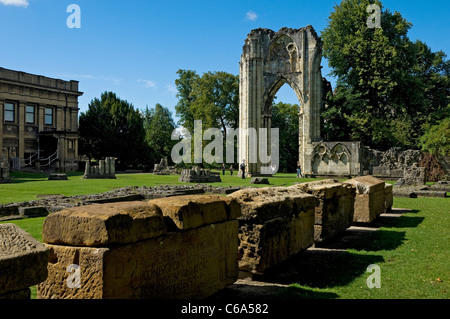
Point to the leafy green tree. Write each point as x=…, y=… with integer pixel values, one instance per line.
x=212, y=98
x=436, y=140
x=112, y=127
x=388, y=87
x=285, y=118
x=159, y=126
x=185, y=85
x=217, y=100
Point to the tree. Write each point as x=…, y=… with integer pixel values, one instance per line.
x=285, y=117
x=159, y=126
x=388, y=87
x=212, y=98
x=216, y=100
x=436, y=140
x=112, y=127
x=185, y=86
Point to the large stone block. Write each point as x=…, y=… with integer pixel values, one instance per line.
x=334, y=214
x=370, y=198
x=104, y=224
x=191, y=211
x=389, y=197
x=23, y=262
x=123, y=250
x=191, y=264
x=276, y=223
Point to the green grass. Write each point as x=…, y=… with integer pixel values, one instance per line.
x=25, y=186
x=412, y=251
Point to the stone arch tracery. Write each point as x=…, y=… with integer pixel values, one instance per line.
x=269, y=60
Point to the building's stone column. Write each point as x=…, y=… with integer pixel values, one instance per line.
x=2, y=104
x=21, y=106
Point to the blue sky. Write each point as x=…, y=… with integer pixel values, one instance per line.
x=134, y=48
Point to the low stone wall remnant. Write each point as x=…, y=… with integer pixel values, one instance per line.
x=199, y=175
x=172, y=248
x=389, y=200
x=276, y=223
x=106, y=169
x=370, y=198
x=23, y=262
x=336, y=209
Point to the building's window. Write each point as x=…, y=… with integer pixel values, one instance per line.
x=30, y=114
x=10, y=112
x=70, y=144
x=48, y=116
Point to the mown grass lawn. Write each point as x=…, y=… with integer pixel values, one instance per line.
x=25, y=186
x=412, y=251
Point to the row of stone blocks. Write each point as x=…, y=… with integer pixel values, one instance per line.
x=190, y=246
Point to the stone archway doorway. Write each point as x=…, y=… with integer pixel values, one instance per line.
x=270, y=60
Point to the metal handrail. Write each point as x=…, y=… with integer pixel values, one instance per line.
x=49, y=159
x=30, y=159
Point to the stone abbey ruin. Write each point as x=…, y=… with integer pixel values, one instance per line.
x=293, y=56
x=194, y=242
x=181, y=246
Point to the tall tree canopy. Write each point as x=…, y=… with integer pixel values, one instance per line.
x=388, y=87
x=285, y=118
x=212, y=98
x=112, y=127
x=159, y=126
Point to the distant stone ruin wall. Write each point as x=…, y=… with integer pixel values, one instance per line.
x=4, y=175
x=336, y=159
x=105, y=169
x=199, y=175
x=389, y=164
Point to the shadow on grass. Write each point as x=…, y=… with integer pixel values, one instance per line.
x=244, y=290
x=295, y=292
x=375, y=241
x=22, y=177
x=320, y=268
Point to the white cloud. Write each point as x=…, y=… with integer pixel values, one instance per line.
x=19, y=3
x=148, y=83
x=171, y=89
x=252, y=16
x=78, y=77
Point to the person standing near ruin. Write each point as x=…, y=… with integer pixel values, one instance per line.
x=299, y=170
x=231, y=170
x=223, y=168
x=243, y=169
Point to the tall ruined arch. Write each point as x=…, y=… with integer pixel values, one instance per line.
x=270, y=60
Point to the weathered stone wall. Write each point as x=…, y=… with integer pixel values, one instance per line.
x=389, y=164
x=105, y=169
x=4, y=175
x=199, y=175
x=192, y=246
x=276, y=223
x=336, y=159
x=389, y=201
x=23, y=262
x=334, y=214
x=370, y=198
x=268, y=61
x=178, y=247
